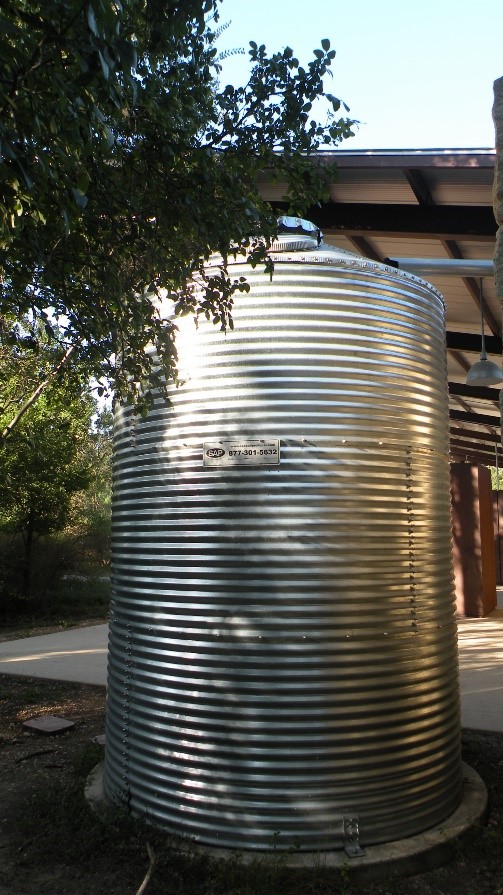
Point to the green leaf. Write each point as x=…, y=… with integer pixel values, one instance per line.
x=83, y=182
x=91, y=21
x=128, y=55
x=325, y=43
x=104, y=65
x=109, y=136
x=80, y=199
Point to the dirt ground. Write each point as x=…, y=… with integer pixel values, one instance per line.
x=51, y=842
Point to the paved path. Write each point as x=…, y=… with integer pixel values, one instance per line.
x=81, y=655
x=481, y=671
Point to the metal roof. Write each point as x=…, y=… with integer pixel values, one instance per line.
x=428, y=203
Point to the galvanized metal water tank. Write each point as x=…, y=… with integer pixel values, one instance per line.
x=283, y=651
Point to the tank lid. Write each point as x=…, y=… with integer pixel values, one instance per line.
x=296, y=235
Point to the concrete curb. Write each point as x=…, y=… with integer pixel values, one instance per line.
x=406, y=857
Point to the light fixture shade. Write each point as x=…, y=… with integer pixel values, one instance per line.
x=484, y=372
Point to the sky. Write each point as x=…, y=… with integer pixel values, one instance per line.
x=416, y=74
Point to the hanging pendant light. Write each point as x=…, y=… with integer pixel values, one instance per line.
x=484, y=372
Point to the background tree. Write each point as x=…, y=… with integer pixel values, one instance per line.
x=124, y=166
x=48, y=457
x=90, y=516
x=496, y=478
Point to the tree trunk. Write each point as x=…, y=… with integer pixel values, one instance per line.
x=28, y=551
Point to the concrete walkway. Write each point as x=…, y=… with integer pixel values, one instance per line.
x=481, y=671
x=81, y=655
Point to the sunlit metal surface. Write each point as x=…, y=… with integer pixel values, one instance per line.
x=283, y=644
x=427, y=267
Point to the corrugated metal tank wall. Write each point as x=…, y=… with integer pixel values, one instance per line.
x=283, y=643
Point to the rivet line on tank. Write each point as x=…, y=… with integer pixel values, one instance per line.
x=411, y=536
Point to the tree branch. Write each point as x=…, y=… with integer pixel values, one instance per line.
x=32, y=62
x=38, y=391
x=150, y=871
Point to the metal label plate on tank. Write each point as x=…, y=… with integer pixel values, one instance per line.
x=255, y=452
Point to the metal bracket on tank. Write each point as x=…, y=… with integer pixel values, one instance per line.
x=350, y=836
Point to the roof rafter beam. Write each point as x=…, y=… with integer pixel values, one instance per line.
x=480, y=393
x=488, y=450
x=482, y=419
x=458, y=455
x=475, y=448
x=460, y=359
x=453, y=250
x=471, y=342
x=491, y=437
x=488, y=446
x=368, y=219
x=418, y=186
x=362, y=245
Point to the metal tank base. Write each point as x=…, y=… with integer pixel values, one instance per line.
x=404, y=857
